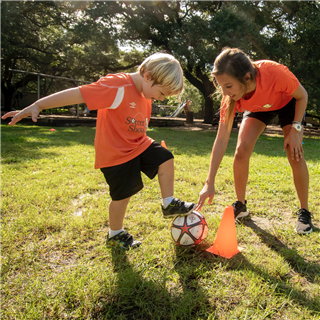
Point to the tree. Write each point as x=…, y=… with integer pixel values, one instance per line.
x=56, y=38
x=195, y=32
x=304, y=53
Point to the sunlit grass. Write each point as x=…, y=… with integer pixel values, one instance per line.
x=54, y=221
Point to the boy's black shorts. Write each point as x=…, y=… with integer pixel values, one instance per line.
x=125, y=179
x=285, y=114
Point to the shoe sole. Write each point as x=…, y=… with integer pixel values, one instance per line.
x=304, y=232
x=242, y=215
x=135, y=246
x=178, y=214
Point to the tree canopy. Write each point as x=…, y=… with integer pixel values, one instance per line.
x=59, y=39
x=86, y=39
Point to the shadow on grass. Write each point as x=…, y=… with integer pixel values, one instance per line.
x=296, y=262
x=281, y=285
x=135, y=297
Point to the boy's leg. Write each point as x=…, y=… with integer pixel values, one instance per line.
x=175, y=207
x=157, y=160
x=166, y=178
x=123, y=240
x=124, y=181
x=117, y=211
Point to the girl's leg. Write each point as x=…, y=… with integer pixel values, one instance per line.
x=249, y=132
x=117, y=211
x=300, y=174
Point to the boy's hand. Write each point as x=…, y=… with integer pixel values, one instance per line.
x=32, y=111
x=208, y=191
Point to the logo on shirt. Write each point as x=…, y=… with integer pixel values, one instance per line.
x=132, y=105
x=137, y=124
x=267, y=106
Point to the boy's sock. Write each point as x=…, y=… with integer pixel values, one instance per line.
x=166, y=201
x=113, y=233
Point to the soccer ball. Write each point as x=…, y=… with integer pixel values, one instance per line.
x=190, y=230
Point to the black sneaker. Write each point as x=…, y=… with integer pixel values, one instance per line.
x=304, y=224
x=123, y=240
x=177, y=208
x=240, y=209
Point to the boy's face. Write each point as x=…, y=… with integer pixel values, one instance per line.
x=156, y=92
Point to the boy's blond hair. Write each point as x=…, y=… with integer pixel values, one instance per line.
x=165, y=70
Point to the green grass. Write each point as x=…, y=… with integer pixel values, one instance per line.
x=55, y=218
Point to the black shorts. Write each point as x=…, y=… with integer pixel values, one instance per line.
x=125, y=179
x=285, y=114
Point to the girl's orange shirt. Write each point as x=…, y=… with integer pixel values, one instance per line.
x=275, y=84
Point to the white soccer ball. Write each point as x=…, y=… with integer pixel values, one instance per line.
x=190, y=230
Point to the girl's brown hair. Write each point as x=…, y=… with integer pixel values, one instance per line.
x=237, y=64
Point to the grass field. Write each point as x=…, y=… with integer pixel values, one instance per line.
x=54, y=221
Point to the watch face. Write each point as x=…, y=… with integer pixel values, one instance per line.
x=297, y=126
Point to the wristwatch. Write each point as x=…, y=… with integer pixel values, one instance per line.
x=297, y=125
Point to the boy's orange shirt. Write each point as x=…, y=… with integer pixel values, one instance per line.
x=275, y=84
x=122, y=121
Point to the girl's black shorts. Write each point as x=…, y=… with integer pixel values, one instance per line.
x=125, y=179
x=285, y=114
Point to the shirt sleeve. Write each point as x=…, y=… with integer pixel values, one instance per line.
x=102, y=94
x=285, y=80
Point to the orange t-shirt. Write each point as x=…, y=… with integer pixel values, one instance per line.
x=275, y=84
x=122, y=121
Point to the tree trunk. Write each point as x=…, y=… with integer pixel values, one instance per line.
x=206, y=87
x=7, y=97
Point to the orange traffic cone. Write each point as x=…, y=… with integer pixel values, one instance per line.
x=164, y=144
x=225, y=244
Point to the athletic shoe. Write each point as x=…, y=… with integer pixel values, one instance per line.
x=304, y=224
x=123, y=240
x=240, y=209
x=177, y=208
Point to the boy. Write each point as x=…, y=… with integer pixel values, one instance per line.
x=122, y=148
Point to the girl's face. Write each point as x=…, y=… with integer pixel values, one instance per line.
x=231, y=86
x=156, y=92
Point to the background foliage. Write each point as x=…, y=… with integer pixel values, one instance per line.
x=87, y=39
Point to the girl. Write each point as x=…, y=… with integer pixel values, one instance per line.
x=262, y=90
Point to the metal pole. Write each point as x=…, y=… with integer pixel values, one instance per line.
x=38, y=86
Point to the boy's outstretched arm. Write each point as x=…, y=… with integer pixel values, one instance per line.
x=56, y=100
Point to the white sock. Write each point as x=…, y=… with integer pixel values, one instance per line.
x=113, y=233
x=166, y=201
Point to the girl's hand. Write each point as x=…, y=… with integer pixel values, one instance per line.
x=294, y=144
x=32, y=111
x=208, y=191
